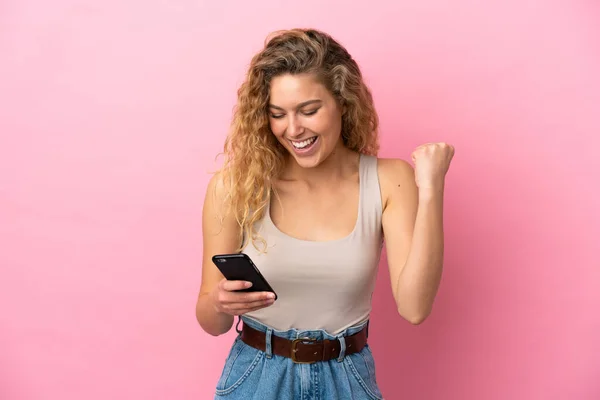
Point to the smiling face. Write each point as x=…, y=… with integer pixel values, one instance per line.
x=305, y=118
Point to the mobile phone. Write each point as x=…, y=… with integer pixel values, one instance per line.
x=239, y=267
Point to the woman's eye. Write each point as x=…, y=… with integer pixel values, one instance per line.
x=311, y=112
x=277, y=116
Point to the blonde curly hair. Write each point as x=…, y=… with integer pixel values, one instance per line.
x=253, y=156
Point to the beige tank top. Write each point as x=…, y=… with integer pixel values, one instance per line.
x=324, y=284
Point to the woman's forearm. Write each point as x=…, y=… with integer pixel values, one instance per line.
x=212, y=321
x=420, y=277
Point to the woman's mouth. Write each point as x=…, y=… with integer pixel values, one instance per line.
x=305, y=147
x=301, y=145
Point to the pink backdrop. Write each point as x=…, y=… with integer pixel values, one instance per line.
x=111, y=114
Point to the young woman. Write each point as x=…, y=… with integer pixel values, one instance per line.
x=304, y=195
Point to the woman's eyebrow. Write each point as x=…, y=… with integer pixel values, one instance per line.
x=303, y=104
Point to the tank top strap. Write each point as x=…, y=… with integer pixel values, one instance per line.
x=371, y=207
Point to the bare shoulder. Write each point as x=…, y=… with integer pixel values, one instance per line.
x=216, y=192
x=393, y=167
x=217, y=217
x=396, y=179
x=217, y=184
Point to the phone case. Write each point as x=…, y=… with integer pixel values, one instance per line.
x=239, y=267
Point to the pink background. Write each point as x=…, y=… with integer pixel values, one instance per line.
x=111, y=114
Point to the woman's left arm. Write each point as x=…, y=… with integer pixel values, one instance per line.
x=413, y=227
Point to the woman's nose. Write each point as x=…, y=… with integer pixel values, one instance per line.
x=295, y=127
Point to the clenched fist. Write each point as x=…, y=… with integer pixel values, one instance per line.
x=432, y=161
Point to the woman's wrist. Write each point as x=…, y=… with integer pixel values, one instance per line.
x=431, y=192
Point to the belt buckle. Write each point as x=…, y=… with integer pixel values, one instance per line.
x=295, y=349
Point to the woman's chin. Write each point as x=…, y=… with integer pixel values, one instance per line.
x=309, y=162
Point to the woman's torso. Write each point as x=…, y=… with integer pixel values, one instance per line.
x=323, y=250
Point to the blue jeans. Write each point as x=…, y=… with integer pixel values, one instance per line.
x=254, y=374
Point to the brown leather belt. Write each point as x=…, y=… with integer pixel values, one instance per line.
x=304, y=351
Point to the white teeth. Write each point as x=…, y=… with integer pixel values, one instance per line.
x=304, y=143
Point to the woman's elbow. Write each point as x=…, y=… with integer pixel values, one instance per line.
x=415, y=318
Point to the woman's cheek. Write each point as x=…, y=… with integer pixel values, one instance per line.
x=276, y=128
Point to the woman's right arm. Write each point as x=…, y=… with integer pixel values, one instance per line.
x=220, y=235
x=219, y=300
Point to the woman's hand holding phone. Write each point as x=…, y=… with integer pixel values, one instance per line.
x=228, y=300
